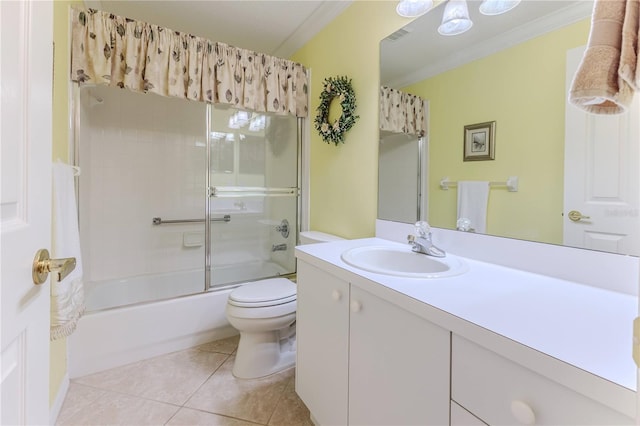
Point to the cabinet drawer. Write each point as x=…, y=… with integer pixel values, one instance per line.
x=501, y=392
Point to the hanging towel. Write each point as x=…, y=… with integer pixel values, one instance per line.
x=473, y=197
x=629, y=58
x=606, y=78
x=67, y=296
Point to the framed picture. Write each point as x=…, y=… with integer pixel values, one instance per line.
x=479, y=141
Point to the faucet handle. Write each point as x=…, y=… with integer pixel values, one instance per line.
x=422, y=228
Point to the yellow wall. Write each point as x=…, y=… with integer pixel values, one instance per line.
x=523, y=90
x=344, y=178
x=58, y=356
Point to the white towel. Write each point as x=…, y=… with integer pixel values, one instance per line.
x=67, y=296
x=473, y=197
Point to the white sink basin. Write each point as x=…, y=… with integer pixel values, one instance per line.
x=402, y=262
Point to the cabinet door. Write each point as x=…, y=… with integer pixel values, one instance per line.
x=503, y=392
x=461, y=417
x=322, y=329
x=398, y=365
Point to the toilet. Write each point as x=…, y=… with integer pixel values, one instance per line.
x=264, y=312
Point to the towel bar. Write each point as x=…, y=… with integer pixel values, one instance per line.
x=511, y=183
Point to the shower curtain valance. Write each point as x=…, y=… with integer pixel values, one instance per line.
x=122, y=52
x=401, y=112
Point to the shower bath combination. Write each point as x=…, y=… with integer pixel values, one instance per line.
x=178, y=198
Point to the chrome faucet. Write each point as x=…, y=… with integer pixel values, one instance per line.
x=421, y=242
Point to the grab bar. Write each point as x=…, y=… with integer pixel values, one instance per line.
x=251, y=191
x=160, y=221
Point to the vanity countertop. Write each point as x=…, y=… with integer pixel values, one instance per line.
x=587, y=327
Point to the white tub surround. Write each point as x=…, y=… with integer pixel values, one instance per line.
x=115, y=337
x=567, y=334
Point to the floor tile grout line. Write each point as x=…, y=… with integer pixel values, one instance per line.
x=275, y=408
x=225, y=416
x=97, y=387
x=177, y=407
x=128, y=394
x=205, y=381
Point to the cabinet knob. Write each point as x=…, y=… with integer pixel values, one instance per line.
x=523, y=412
x=336, y=295
x=356, y=306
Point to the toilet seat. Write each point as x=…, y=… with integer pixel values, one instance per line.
x=265, y=293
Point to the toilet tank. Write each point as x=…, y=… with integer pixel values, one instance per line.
x=312, y=237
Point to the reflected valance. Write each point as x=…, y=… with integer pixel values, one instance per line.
x=122, y=52
x=401, y=112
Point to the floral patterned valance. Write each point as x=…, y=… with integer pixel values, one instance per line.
x=122, y=52
x=401, y=112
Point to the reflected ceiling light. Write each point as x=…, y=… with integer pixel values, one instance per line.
x=455, y=19
x=496, y=7
x=413, y=8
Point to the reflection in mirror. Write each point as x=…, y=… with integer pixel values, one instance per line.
x=515, y=69
x=402, y=126
x=399, y=177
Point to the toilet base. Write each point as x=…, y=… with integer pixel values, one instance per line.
x=265, y=353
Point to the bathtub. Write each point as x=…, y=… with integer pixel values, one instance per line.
x=112, y=337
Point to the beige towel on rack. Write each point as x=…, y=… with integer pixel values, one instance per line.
x=629, y=58
x=602, y=83
x=473, y=197
x=67, y=296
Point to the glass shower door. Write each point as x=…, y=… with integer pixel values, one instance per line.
x=253, y=203
x=141, y=205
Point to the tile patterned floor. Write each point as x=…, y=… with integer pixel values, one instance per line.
x=190, y=387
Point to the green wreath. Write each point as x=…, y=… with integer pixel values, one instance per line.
x=339, y=87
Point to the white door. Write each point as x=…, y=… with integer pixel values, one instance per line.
x=26, y=47
x=602, y=176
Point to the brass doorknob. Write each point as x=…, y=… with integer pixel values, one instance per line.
x=43, y=264
x=576, y=216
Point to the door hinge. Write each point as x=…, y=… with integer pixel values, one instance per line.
x=636, y=341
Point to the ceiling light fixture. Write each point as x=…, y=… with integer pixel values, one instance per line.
x=497, y=7
x=413, y=8
x=455, y=19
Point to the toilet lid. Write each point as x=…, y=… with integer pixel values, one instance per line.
x=274, y=291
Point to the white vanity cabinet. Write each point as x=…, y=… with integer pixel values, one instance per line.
x=502, y=392
x=462, y=417
x=364, y=361
x=322, y=344
x=494, y=346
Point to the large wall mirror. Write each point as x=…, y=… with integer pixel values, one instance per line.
x=515, y=69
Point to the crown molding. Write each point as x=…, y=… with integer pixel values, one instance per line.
x=540, y=26
x=325, y=13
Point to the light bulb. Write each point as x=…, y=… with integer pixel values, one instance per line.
x=497, y=7
x=455, y=19
x=413, y=8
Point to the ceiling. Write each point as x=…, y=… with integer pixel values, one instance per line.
x=421, y=52
x=281, y=27
x=277, y=28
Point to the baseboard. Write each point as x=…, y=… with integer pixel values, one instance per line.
x=54, y=410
